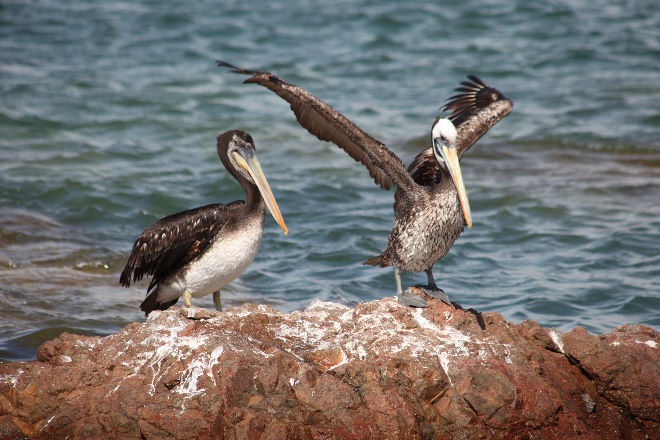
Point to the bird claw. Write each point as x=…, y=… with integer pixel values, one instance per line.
x=434, y=292
x=411, y=300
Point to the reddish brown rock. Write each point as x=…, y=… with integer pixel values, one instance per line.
x=379, y=370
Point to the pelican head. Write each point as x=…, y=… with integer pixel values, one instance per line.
x=444, y=136
x=242, y=156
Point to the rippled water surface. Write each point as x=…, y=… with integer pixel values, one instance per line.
x=109, y=113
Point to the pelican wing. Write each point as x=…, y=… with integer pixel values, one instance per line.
x=173, y=241
x=475, y=110
x=327, y=124
x=425, y=169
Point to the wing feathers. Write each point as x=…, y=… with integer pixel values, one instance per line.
x=327, y=124
x=425, y=169
x=475, y=110
x=172, y=242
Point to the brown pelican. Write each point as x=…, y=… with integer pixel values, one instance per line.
x=196, y=252
x=431, y=205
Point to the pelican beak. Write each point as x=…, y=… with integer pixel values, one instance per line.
x=247, y=160
x=450, y=157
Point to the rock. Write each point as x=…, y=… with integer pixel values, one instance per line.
x=379, y=370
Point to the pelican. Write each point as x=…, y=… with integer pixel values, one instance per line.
x=196, y=252
x=431, y=205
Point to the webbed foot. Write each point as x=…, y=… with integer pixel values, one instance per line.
x=411, y=300
x=434, y=291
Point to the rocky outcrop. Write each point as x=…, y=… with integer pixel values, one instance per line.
x=379, y=370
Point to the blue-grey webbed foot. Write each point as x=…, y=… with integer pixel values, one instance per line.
x=434, y=292
x=411, y=300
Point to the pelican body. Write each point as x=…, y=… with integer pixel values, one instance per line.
x=197, y=252
x=431, y=206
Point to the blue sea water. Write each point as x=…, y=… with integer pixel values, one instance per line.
x=109, y=113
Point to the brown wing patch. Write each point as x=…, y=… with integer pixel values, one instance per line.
x=425, y=169
x=173, y=241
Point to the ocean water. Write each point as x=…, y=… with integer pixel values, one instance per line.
x=109, y=113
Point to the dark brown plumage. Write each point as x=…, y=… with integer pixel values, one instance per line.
x=427, y=212
x=172, y=242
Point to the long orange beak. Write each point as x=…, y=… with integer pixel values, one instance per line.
x=251, y=165
x=450, y=157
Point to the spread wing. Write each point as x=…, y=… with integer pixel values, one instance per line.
x=173, y=241
x=327, y=124
x=474, y=111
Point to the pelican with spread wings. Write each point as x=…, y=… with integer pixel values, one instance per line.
x=431, y=205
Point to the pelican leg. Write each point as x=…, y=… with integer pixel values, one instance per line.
x=187, y=297
x=432, y=290
x=407, y=298
x=217, y=300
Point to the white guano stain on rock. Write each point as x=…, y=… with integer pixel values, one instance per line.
x=200, y=366
x=650, y=343
x=450, y=344
x=372, y=330
x=89, y=342
x=165, y=346
x=11, y=378
x=344, y=360
x=557, y=340
x=376, y=332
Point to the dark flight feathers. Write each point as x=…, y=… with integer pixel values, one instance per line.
x=475, y=95
x=173, y=241
x=327, y=124
x=473, y=112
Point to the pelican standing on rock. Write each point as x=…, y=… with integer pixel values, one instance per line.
x=431, y=205
x=196, y=252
